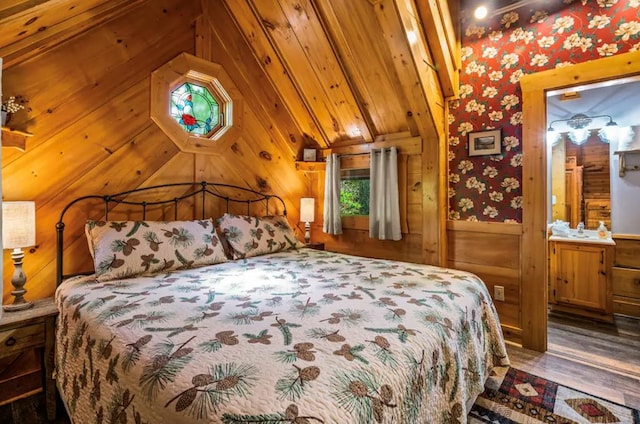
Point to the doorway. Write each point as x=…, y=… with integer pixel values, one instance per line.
x=534, y=269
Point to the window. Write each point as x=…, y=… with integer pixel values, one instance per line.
x=195, y=109
x=196, y=104
x=354, y=192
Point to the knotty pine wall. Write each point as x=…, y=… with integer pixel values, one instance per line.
x=89, y=113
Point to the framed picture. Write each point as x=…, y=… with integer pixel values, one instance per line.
x=485, y=142
x=309, y=155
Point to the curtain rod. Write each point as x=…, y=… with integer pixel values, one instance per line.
x=346, y=155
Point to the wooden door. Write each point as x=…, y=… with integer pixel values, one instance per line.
x=579, y=273
x=573, y=193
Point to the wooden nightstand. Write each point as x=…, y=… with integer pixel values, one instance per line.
x=317, y=246
x=22, y=331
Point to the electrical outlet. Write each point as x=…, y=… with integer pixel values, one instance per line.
x=498, y=293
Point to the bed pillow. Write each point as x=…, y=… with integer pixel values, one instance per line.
x=124, y=249
x=251, y=236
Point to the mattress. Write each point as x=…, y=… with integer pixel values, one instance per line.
x=302, y=336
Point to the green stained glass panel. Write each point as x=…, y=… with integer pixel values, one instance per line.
x=194, y=109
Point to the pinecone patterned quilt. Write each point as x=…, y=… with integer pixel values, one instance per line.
x=302, y=336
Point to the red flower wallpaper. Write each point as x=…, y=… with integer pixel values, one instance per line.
x=495, y=54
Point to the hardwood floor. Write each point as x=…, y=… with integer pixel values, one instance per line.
x=600, y=359
x=597, y=358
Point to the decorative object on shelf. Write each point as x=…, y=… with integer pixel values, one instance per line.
x=628, y=145
x=11, y=106
x=309, y=155
x=307, y=215
x=487, y=142
x=578, y=129
x=18, y=231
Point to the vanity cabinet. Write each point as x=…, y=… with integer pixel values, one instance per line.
x=580, y=279
x=626, y=275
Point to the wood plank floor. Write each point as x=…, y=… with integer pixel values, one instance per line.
x=600, y=359
x=597, y=358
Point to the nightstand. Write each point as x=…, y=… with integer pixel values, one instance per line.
x=316, y=246
x=33, y=328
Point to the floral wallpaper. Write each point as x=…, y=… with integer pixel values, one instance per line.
x=495, y=54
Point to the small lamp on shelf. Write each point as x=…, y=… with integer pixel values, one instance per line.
x=307, y=215
x=18, y=231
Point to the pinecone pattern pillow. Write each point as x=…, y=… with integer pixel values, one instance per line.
x=124, y=249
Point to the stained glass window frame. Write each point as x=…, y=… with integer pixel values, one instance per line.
x=186, y=68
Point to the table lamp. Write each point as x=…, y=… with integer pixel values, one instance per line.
x=18, y=231
x=307, y=215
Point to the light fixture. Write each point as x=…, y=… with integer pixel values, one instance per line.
x=307, y=215
x=480, y=12
x=609, y=133
x=580, y=126
x=18, y=231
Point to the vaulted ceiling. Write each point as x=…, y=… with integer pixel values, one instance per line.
x=348, y=71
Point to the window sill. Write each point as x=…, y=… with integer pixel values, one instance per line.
x=356, y=222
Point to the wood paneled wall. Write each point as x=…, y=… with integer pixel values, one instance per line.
x=491, y=250
x=89, y=113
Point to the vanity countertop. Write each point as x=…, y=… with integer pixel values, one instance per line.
x=589, y=236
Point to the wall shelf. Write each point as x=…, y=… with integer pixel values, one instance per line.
x=15, y=138
x=623, y=166
x=310, y=166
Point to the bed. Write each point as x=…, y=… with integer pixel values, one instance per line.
x=279, y=334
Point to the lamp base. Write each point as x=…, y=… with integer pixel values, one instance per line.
x=307, y=233
x=18, y=280
x=17, y=307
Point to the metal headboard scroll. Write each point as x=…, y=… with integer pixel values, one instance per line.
x=247, y=196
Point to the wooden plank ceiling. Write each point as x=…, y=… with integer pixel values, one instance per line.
x=334, y=63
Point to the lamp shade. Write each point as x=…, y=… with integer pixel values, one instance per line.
x=18, y=224
x=307, y=209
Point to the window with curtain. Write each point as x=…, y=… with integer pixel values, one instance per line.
x=355, y=188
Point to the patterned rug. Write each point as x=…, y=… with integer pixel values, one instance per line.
x=514, y=396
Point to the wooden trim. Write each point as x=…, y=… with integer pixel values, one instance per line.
x=406, y=144
x=311, y=166
x=534, y=179
x=486, y=227
x=437, y=22
x=626, y=236
x=484, y=269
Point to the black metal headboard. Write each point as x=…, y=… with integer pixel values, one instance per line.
x=203, y=189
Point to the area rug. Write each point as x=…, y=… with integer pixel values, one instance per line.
x=514, y=396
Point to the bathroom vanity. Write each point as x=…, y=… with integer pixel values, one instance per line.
x=580, y=274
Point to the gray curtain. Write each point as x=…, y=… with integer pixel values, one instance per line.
x=384, y=203
x=332, y=220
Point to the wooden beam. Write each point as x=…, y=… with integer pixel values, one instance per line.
x=437, y=22
x=426, y=112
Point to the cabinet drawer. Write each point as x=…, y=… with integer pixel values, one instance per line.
x=627, y=253
x=626, y=282
x=626, y=306
x=17, y=339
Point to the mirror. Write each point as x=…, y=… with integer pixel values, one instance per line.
x=582, y=165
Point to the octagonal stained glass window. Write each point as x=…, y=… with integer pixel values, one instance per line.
x=195, y=109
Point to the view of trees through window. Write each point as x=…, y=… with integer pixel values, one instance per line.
x=354, y=192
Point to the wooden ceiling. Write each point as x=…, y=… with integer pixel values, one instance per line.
x=347, y=71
